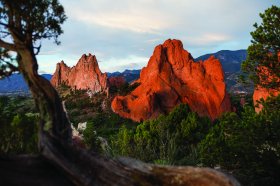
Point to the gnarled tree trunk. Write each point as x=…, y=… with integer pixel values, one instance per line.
x=53, y=119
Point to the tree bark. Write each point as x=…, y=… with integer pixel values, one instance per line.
x=35, y=170
x=53, y=119
x=84, y=168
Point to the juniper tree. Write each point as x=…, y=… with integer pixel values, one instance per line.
x=23, y=25
x=262, y=63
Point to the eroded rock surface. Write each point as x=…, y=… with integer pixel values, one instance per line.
x=173, y=77
x=85, y=75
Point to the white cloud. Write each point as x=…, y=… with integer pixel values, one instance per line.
x=124, y=32
x=135, y=23
x=120, y=64
x=48, y=52
x=153, y=40
x=208, y=38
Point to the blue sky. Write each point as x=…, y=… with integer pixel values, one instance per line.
x=123, y=33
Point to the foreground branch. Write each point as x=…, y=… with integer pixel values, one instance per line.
x=68, y=165
x=84, y=168
x=8, y=46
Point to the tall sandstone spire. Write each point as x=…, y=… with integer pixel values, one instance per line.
x=173, y=77
x=85, y=75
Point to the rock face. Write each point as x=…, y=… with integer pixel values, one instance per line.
x=85, y=75
x=173, y=77
x=117, y=81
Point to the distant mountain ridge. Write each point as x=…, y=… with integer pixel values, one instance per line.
x=16, y=83
x=230, y=60
x=129, y=75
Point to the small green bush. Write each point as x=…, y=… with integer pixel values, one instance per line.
x=167, y=140
x=20, y=136
x=247, y=145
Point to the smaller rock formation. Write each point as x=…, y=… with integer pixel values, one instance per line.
x=85, y=75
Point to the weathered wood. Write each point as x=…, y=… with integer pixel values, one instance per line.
x=53, y=119
x=98, y=170
x=86, y=168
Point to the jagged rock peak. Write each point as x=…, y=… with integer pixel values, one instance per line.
x=88, y=58
x=173, y=77
x=85, y=75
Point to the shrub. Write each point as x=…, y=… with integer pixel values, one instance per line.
x=20, y=136
x=168, y=139
x=248, y=145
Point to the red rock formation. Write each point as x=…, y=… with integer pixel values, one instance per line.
x=116, y=81
x=172, y=77
x=85, y=75
x=264, y=93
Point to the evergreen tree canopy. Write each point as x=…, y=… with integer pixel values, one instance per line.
x=23, y=24
x=262, y=62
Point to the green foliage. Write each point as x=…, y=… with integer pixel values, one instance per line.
x=264, y=49
x=90, y=136
x=20, y=136
x=168, y=139
x=42, y=19
x=103, y=127
x=18, y=132
x=124, y=89
x=81, y=107
x=102, y=123
x=64, y=86
x=3, y=102
x=248, y=145
x=23, y=24
x=123, y=142
x=6, y=63
x=237, y=102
